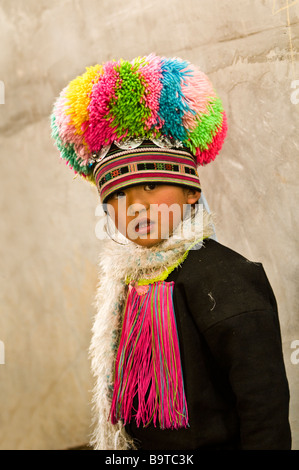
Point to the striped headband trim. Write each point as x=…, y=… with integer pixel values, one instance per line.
x=146, y=161
x=141, y=165
x=154, y=150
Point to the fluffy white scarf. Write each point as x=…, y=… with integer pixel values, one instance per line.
x=116, y=263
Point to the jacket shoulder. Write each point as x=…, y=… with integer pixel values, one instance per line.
x=220, y=283
x=214, y=250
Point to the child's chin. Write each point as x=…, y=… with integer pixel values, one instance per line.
x=148, y=242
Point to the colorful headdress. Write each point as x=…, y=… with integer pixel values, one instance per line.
x=165, y=100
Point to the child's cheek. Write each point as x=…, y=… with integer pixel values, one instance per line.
x=169, y=218
x=121, y=224
x=163, y=225
x=117, y=218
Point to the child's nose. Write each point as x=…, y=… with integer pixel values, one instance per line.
x=137, y=202
x=136, y=207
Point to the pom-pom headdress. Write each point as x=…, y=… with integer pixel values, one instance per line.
x=168, y=101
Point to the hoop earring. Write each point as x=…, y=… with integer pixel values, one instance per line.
x=106, y=228
x=194, y=210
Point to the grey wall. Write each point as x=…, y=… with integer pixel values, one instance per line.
x=48, y=247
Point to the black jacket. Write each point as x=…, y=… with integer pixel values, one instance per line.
x=234, y=375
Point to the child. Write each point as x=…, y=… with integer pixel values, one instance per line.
x=186, y=345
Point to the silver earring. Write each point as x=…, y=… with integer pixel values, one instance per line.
x=106, y=228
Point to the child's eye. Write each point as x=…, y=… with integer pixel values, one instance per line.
x=149, y=186
x=118, y=194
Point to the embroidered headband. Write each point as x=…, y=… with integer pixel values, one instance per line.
x=124, y=103
x=147, y=163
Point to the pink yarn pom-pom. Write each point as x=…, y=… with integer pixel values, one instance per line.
x=203, y=157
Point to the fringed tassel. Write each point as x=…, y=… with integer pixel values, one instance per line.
x=148, y=363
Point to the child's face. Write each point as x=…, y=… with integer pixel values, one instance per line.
x=148, y=213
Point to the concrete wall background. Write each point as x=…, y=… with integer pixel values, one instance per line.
x=48, y=246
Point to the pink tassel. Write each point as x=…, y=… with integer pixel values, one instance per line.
x=148, y=363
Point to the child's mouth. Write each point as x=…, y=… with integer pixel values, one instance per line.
x=144, y=226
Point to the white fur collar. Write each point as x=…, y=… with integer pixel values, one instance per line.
x=117, y=262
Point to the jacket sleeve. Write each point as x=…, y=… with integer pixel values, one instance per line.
x=247, y=347
x=237, y=314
